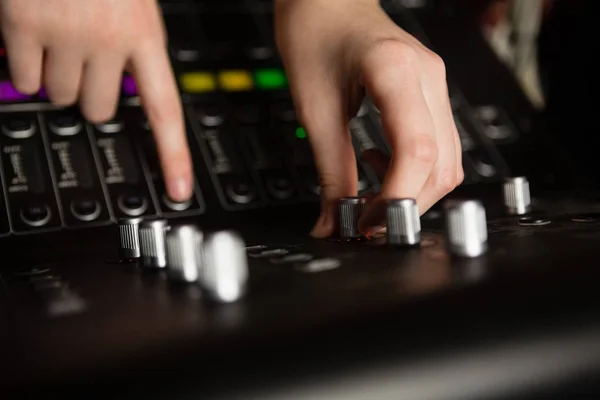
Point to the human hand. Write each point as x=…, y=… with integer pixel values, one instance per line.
x=336, y=50
x=78, y=51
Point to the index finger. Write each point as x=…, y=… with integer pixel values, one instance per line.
x=392, y=81
x=160, y=98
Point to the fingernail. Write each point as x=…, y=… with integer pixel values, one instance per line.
x=179, y=189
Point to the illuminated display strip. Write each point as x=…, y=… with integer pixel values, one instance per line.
x=234, y=80
x=198, y=82
x=8, y=93
x=191, y=82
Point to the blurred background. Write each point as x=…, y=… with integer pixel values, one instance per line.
x=512, y=28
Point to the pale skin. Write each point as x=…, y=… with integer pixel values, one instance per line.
x=334, y=52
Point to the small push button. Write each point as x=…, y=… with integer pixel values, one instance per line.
x=18, y=127
x=85, y=209
x=65, y=125
x=112, y=126
x=36, y=215
x=133, y=204
x=240, y=191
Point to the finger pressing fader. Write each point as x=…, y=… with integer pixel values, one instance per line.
x=517, y=198
x=152, y=243
x=224, y=272
x=403, y=222
x=128, y=238
x=183, y=253
x=351, y=209
x=466, y=228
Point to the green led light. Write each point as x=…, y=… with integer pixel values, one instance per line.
x=270, y=78
x=301, y=133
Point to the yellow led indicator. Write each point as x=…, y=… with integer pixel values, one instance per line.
x=198, y=82
x=235, y=80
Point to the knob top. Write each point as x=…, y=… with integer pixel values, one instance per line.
x=353, y=200
x=516, y=179
x=403, y=222
x=129, y=221
x=466, y=228
x=154, y=224
x=224, y=273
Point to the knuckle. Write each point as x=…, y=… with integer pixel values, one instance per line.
x=331, y=187
x=401, y=54
x=446, y=181
x=436, y=65
x=18, y=17
x=148, y=35
x=423, y=150
x=66, y=33
x=109, y=37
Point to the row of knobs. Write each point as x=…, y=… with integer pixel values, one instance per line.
x=466, y=224
x=216, y=261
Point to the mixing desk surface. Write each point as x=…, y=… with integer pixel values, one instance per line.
x=106, y=280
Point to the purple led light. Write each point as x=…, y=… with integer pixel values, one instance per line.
x=8, y=93
x=129, y=86
x=42, y=94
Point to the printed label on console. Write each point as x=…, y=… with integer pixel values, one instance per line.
x=23, y=168
x=221, y=162
x=18, y=180
x=113, y=172
x=259, y=156
x=67, y=177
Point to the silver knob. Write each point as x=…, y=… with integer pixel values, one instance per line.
x=517, y=198
x=224, y=272
x=128, y=238
x=152, y=243
x=351, y=209
x=403, y=222
x=183, y=253
x=466, y=228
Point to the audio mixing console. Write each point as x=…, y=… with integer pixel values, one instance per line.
x=106, y=281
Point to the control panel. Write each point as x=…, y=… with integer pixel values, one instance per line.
x=61, y=172
x=104, y=279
